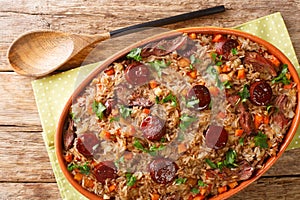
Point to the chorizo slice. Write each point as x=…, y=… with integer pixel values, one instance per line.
x=105, y=170
x=153, y=128
x=260, y=93
x=216, y=137
x=137, y=74
x=201, y=93
x=163, y=170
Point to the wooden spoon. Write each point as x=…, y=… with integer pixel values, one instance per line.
x=39, y=53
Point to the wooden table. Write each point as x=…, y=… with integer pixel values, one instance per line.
x=25, y=168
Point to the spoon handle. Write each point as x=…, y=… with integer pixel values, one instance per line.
x=170, y=20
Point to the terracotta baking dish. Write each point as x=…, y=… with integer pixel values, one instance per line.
x=205, y=30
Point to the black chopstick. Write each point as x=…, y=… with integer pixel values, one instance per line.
x=170, y=20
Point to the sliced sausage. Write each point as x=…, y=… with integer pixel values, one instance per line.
x=105, y=170
x=216, y=137
x=163, y=170
x=224, y=47
x=109, y=104
x=137, y=74
x=260, y=93
x=69, y=134
x=86, y=144
x=246, y=122
x=259, y=63
x=153, y=128
x=201, y=93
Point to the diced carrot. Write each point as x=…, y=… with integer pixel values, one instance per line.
x=239, y=132
x=274, y=61
x=233, y=184
x=184, y=62
x=203, y=190
x=269, y=143
x=221, y=115
x=146, y=111
x=199, y=197
x=288, y=76
x=112, y=188
x=241, y=74
x=258, y=120
x=105, y=135
x=181, y=148
x=289, y=86
x=214, y=91
x=110, y=71
x=217, y=38
x=154, y=196
x=88, y=183
x=153, y=84
x=192, y=74
x=266, y=119
x=69, y=157
x=222, y=189
x=128, y=155
x=226, y=68
x=78, y=177
x=193, y=35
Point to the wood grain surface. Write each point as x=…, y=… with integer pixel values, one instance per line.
x=25, y=168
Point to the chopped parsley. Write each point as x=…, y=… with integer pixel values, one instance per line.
x=217, y=60
x=135, y=54
x=180, y=181
x=124, y=111
x=234, y=51
x=261, y=140
x=158, y=65
x=214, y=73
x=201, y=183
x=98, y=108
x=152, y=150
x=229, y=161
x=192, y=102
x=171, y=98
x=244, y=94
x=241, y=141
x=84, y=169
x=131, y=179
x=186, y=121
x=282, y=76
x=118, y=161
x=157, y=101
x=227, y=84
x=193, y=60
x=114, y=119
x=211, y=163
x=195, y=190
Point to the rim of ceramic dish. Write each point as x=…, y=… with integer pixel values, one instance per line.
x=204, y=30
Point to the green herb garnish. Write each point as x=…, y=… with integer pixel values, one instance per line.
x=195, y=190
x=214, y=56
x=244, y=94
x=282, y=76
x=84, y=169
x=124, y=111
x=261, y=140
x=135, y=54
x=130, y=179
x=180, y=181
x=152, y=150
x=171, y=98
x=210, y=163
x=191, y=103
x=158, y=65
x=98, y=108
x=114, y=119
x=201, y=183
x=234, y=51
x=157, y=101
x=186, y=121
x=230, y=159
x=241, y=141
x=227, y=84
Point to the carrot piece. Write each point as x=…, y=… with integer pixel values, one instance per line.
x=153, y=84
x=184, y=62
x=266, y=119
x=88, y=183
x=154, y=196
x=217, y=38
x=258, y=119
x=221, y=115
x=222, y=189
x=274, y=61
x=112, y=188
x=181, y=148
x=193, y=35
x=128, y=155
x=203, y=190
x=288, y=76
x=239, y=132
x=192, y=74
x=233, y=184
x=199, y=197
x=69, y=158
x=214, y=91
x=226, y=68
x=78, y=177
x=105, y=135
x=241, y=74
x=146, y=111
x=289, y=86
x=110, y=71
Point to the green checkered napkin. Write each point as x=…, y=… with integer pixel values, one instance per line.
x=51, y=93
